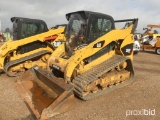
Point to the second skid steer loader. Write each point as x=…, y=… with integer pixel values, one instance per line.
x=31, y=45
x=96, y=59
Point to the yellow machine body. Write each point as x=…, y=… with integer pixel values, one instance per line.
x=85, y=69
x=13, y=54
x=151, y=39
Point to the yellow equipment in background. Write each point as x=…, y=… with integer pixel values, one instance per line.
x=30, y=46
x=96, y=59
x=151, y=39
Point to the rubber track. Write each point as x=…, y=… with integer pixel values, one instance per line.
x=14, y=62
x=81, y=81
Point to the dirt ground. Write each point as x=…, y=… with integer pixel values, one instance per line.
x=137, y=101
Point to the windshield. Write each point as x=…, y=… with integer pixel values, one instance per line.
x=30, y=29
x=75, y=31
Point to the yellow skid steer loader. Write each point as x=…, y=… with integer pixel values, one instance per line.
x=32, y=44
x=95, y=59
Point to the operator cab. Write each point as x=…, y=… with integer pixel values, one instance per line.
x=85, y=27
x=25, y=27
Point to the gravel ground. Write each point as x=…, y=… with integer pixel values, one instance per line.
x=142, y=95
x=11, y=105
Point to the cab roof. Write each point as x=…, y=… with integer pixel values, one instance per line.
x=87, y=14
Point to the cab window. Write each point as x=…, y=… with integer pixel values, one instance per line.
x=30, y=29
x=98, y=27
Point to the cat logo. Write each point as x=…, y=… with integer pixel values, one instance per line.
x=56, y=67
x=99, y=44
x=128, y=50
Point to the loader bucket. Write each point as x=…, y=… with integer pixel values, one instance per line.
x=44, y=94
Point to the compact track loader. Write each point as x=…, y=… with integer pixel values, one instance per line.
x=31, y=45
x=96, y=59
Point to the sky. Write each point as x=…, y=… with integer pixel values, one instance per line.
x=53, y=11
